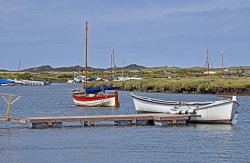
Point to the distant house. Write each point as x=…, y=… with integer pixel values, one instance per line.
x=108, y=72
x=210, y=72
x=134, y=71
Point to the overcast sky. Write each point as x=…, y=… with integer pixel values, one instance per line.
x=145, y=32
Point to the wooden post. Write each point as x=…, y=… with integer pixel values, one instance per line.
x=134, y=122
x=50, y=124
x=117, y=103
x=8, y=109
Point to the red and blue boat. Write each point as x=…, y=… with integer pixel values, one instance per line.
x=105, y=96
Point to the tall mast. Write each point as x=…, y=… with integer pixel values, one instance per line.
x=207, y=64
x=122, y=67
x=113, y=54
x=18, y=69
x=86, y=56
x=222, y=60
x=19, y=64
x=111, y=63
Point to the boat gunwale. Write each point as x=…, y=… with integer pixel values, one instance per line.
x=216, y=104
x=147, y=99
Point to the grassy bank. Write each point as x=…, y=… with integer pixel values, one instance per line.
x=56, y=77
x=171, y=80
x=185, y=85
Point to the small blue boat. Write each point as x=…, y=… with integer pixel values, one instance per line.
x=7, y=82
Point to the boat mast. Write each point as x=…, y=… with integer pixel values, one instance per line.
x=122, y=67
x=222, y=62
x=113, y=54
x=207, y=63
x=86, y=56
x=19, y=64
x=18, y=69
x=111, y=64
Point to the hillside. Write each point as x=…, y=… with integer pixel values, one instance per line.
x=77, y=68
x=39, y=69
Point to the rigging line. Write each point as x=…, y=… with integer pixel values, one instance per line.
x=79, y=60
x=211, y=62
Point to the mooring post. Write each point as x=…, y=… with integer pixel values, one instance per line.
x=9, y=103
x=50, y=124
x=134, y=122
x=174, y=121
x=8, y=108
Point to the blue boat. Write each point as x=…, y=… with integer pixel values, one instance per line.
x=7, y=82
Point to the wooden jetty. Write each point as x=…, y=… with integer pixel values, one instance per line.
x=128, y=119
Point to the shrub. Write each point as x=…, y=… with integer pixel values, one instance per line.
x=25, y=76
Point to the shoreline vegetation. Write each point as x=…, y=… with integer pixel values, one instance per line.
x=234, y=86
x=161, y=79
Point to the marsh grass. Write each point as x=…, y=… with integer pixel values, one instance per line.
x=173, y=80
x=52, y=76
x=182, y=85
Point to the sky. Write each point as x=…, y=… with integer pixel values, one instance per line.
x=144, y=32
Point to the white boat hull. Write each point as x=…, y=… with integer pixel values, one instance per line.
x=221, y=113
x=107, y=102
x=208, y=112
x=95, y=100
x=145, y=104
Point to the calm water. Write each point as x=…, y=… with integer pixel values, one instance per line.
x=185, y=143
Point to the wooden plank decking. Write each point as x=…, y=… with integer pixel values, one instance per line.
x=132, y=119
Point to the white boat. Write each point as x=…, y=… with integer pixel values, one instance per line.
x=36, y=82
x=77, y=79
x=222, y=111
x=146, y=104
x=134, y=78
x=18, y=82
x=121, y=78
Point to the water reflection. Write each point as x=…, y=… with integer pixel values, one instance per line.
x=6, y=147
x=213, y=127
